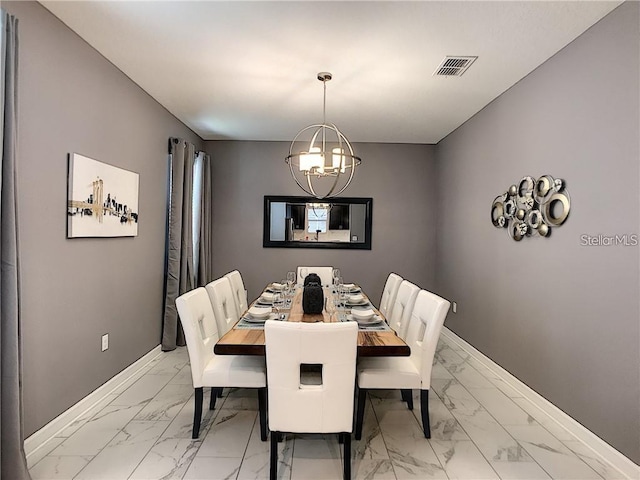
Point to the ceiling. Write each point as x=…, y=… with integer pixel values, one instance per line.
x=247, y=70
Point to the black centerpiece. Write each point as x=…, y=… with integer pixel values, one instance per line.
x=312, y=296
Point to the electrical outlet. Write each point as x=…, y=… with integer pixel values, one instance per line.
x=454, y=306
x=105, y=342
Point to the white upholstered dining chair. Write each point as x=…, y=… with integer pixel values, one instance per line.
x=239, y=292
x=407, y=373
x=216, y=371
x=389, y=292
x=325, y=274
x=399, y=312
x=311, y=376
x=223, y=303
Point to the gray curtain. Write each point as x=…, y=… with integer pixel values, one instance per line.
x=205, y=265
x=179, y=276
x=13, y=465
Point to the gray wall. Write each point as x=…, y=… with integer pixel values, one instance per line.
x=399, y=178
x=73, y=291
x=561, y=317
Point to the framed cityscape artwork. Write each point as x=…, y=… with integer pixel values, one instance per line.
x=102, y=200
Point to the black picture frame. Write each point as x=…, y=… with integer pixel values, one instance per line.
x=291, y=201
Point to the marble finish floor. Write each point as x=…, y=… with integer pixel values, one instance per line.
x=481, y=429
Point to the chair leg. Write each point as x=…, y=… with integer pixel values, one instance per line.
x=362, y=398
x=214, y=395
x=346, y=456
x=273, y=456
x=262, y=408
x=407, y=396
x=197, y=414
x=424, y=409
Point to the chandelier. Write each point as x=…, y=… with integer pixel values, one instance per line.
x=324, y=165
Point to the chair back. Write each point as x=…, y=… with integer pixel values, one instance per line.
x=319, y=402
x=325, y=274
x=223, y=303
x=389, y=293
x=200, y=330
x=429, y=313
x=400, y=312
x=239, y=292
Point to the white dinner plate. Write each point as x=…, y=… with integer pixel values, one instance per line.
x=250, y=319
x=364, y=301
x=375, y=320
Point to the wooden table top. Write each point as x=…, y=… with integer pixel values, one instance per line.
x=370, y=343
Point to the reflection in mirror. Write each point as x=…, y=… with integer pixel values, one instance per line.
x=305, y=222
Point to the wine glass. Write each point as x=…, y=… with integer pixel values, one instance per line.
x=278, y=304
x=291, y=281
x=336, y=278
x=343, y=294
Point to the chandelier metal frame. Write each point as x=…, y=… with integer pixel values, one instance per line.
x=312, y=163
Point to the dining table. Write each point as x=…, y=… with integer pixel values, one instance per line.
x=375, y=339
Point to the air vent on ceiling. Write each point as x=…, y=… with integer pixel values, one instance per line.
x=454, y=66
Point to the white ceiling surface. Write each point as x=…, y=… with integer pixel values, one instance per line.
x=247, y=70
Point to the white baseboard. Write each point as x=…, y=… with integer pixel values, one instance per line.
x=55, y=426
x=590, y=439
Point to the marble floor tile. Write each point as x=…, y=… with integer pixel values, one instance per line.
x=166, y=404
x=317, y=446
x=168, y=459
x=94, y=435
x=255, y=464
x=43, y=450
x=59, y=467
x=451, y=359
x=501, y=384
x=399, y=423
x=136, y=376
x=121, y=456
x=170, y=362
x=445, y=342
x=413, y=457
x=469, y=377
x=183, y=377
x=603, y=468
x=462, y=460
x=240, y=399
x=86, y=416
x=316, y=457
x=372, y=445
x=142, y=391
x=503, y=408
x=438, y=371
x=455, y=397
x=229, y=434
x=182, y=424
x=543, y=419
x=554, y=457
x=213, y=468
x=370, y=469
x=444, y=425
x=502, y=451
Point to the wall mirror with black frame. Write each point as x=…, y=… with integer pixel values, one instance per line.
x=306, y=222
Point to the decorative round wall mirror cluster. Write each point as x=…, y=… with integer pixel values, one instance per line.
x=532, y=207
